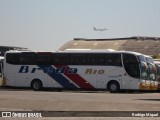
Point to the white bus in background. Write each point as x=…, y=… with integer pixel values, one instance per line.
x=157, y=64
x=87, y=70
x=152, y=71
x=1, y=70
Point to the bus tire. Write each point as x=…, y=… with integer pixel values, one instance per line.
x=113, y=87
x=36, y=85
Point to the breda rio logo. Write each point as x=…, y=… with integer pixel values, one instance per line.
x=48, y=70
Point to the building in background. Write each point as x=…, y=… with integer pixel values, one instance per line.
x=144, y=45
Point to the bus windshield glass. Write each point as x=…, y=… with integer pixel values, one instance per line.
x=152, y=68
x=144, y=68
x=148, y=70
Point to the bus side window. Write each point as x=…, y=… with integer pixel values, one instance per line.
x=60, y=59
x=13, y=58
x=78, y=59
x=96, y=59
x=43, y=58
x=113, y=60
x=28, y=58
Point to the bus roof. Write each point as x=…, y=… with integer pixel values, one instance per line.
x=80, y=51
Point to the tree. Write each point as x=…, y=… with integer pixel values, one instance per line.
x=157, y=56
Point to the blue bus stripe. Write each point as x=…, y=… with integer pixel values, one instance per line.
x=48, y=69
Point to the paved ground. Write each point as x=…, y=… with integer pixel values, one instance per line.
x=28, y=100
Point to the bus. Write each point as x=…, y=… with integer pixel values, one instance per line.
x=153, y=72
x=80, y=70
x=157, y=64
x=1, y=70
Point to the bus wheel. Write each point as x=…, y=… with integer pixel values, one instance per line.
x=36, y=85
x=113, y=87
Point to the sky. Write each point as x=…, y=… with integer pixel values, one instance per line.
x=45, y=25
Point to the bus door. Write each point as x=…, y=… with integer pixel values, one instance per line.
x=132, y=72
x=129, y=82
x=125, y=81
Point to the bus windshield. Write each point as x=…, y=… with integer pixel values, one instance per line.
x=148, y=70
x=152, y=68
x=144, y=68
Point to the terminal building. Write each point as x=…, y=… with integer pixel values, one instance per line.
x=3, y=49
x=145, y=45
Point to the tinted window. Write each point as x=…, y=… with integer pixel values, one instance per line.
x=60, y=59
x=28, y=58
x=43, y=58
x=78, y=59
x=31, y=58
x=97, y=59
x=88, y=59
x=131, y=65
x=113, y=59
x=13, y=58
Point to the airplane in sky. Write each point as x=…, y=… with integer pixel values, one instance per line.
x=100, y=29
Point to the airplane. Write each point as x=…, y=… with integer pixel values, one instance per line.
x=96, y=29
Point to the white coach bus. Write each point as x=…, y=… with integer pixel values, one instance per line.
x=1, y=70
x=157, y=64
x=87, y=70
